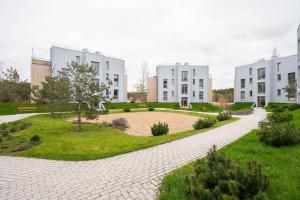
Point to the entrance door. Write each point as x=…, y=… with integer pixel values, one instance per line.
x=184, y=101
x=261, y=101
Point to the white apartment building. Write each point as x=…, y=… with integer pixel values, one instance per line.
x=184, y=84
x=264, y=81
x=107, y=68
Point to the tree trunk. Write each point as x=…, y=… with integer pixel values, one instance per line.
x=79, y=117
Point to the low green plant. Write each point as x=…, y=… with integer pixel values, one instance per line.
x=217, y=177
x=160, y=129
x=91, y=114
x=293, y=107
x=150, y=109
x=279, y=117
x=35, y=139
x=4, y=125
x=204, y=123
x=103, y=112
x=105, y=124
x=279, y=134
x=126, y=109
x=222, y=116
x=12, y=129
x=22, y=147
x=1, y=139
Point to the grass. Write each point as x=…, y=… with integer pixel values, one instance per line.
x=205, y=107
x=282, y=166
x=112, y=106
x=241, y=106
x=60, y=140
x=272, y=106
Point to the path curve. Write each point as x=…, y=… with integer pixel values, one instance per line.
x=134, y=175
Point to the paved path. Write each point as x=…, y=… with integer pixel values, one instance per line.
x=11, y=118
x=135, y=175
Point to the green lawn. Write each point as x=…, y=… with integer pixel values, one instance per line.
x=112, y=106
x=282, y=165
x=205, y=107
x=241, y=106
x=272, y=106
x=60, y=141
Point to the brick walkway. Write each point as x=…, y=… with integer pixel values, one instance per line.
x=135, y=175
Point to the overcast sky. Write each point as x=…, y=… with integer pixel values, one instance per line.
x=221, y=34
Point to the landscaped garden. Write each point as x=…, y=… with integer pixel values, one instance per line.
x=274, y=149
x=59, y=138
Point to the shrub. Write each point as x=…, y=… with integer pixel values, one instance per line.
x=91, y=114
x=278, y=117
x=160, y=129
x=150, y=109
x=223, y=116
x=22, y=147
x=126, y=109
x=120, y=123
x=5, y=133
x=293, y=106
x=204, y=123
x=280, y=108
x=218, y=178
x=105, y=124
x=279, y=135
x=1, y=139
x=12, y=129
x=35, y=139
x=103, y=112
x=4, y=126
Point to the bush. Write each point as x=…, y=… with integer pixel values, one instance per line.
x=126, y=109
x=35, y=139
x=22, y=147
x=91, y=114
x=103, y=112
x=150, y=109
x=278, y=117
x=279, y=135
x=218, y=178
x=12, y=129
x=160, y=129
x=105, y=124
x=120, y=123
x=223, y=116
x=4, y=126
x=293, y=106
x=1, y=139
x=204, y=123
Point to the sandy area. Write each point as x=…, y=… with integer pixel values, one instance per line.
x=140, y=122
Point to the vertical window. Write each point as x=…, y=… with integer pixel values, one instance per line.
x=173, y=82
x=116, y=80
x=278, y=92
x=78, y=59
x=165, y=95
x=278, y=66
x=173, y=94
x=116, y=94
x=107, y=76
x=278, y=77
x=107, y=92
x=261, y=73
x=261, y=88
x=95, y=66
x=194, y=81
x=184, y=89
x=291, y=77
x=107, y=65
x=201, y=95
x=250, y=71
x=200, y=83
x=250, y=80
x=250, y=93
x=165, y=83
x=184, y=75
x=194, y=93
x=194, y=72
x=242, y=95
x=242, y=83
x=173, y=72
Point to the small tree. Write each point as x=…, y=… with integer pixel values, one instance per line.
x=85, y=89
x=291, y=90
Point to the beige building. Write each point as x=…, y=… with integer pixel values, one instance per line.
x=152, y=88
x=40, y=69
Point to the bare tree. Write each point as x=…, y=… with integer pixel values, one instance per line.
x=141, y=86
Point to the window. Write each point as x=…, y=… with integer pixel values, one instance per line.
x=116, y=80
x=242, y=83
x=291, y=77
x=242, y=95
x=201, y=95
x=261, y=88
x=95, y=66
x=173, y=72
x=107, y=65
x=107, y=92
x=116, y=94
x=200, y=83
x=261, y=73
x=173, y=82
x=278, y=77
x=165, y=83
x=78, y=59
x=250, y=80
x=250, y=71
x=278, y=66
x=107, y=76
x=250, y=93
x=194, y=81
x=194, y=93
x=194, y=72
x=64, y=71
x=165, y=95
x=184, y=89
x=184, y=75
x=278, y=92
x=173, y=94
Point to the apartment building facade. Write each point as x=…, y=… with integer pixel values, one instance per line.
x=183, y=84
x=107, y=68
x=265, y=81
